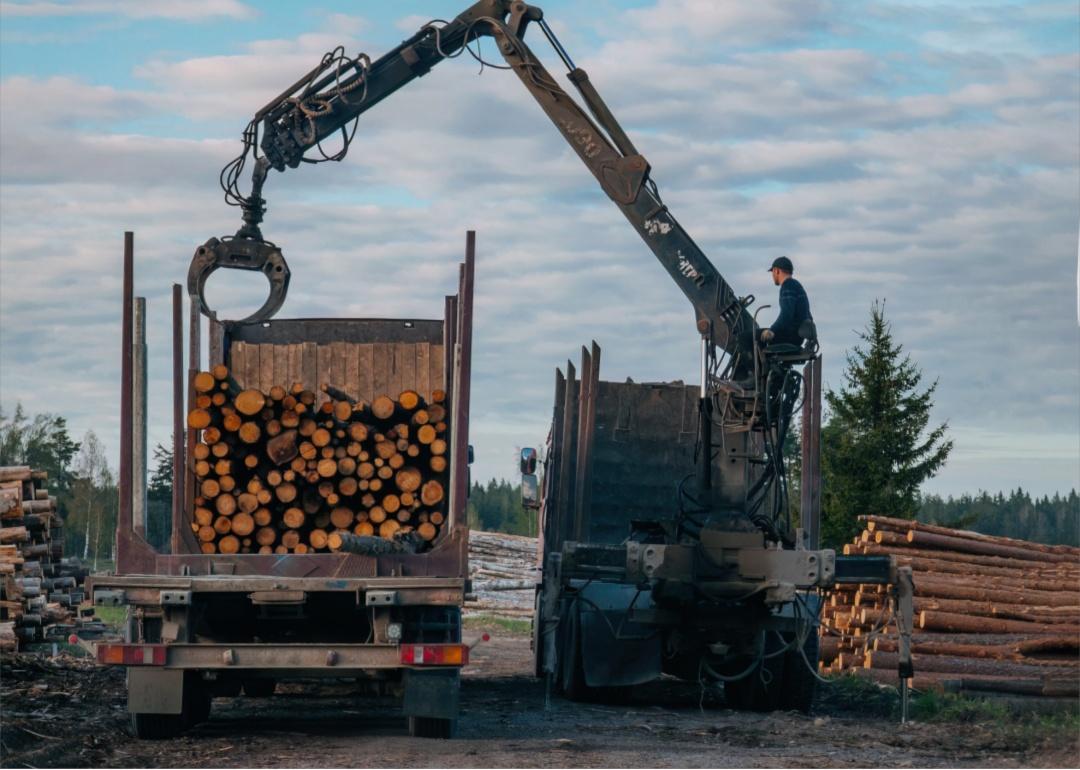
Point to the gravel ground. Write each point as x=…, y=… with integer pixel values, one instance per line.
x=67, y=713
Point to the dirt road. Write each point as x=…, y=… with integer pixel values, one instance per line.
x=77, y=720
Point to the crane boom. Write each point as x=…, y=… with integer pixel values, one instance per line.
x=328, y=99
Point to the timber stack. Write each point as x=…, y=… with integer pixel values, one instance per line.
x=38, y=587
x=504, y=574
x=992, y=614
x=292, y=471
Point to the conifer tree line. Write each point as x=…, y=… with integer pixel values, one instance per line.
x=878, y=446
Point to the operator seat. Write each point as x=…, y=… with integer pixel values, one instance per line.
x=789, y=354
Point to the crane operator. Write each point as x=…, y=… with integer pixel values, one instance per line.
x=794, y=306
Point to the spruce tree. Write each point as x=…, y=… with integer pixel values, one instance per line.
x=876, y=449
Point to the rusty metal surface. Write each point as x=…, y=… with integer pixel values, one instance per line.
x=567, y=462
x=265, y=582
x=459, y=490
x=810, y=487
x=124, y=521
x=179, y=456
x=194, y=364
x=287, y=331
x=133, y=553
x=341, y=658
x=553, y=457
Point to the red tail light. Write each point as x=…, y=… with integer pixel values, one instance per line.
x=131, y=654
x=435, y=654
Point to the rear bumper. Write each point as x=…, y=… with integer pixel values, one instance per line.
x=338, y=659
x=147, y=589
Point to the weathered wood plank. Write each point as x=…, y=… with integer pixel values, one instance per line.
x=266, y=368
x=322, y=371
x=380, y=369
x=296, y=361
x=351, y=379
x=423, y=369
x=281, y=365
x=365, y=386
x=406, y=359
x=337, y=364
x=251, y=366
x=435, y=362
x=238, y=362
x=309, y=365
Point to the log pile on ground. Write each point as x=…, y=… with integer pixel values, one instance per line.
x=291, y=471
x=39, y=588
x=503, y=572
x=992, y=614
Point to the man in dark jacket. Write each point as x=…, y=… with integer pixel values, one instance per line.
x=794, y=306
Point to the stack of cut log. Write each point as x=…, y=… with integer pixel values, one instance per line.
x=290, y=470
x=992, y=614
x=38, y=586
x=503, y=572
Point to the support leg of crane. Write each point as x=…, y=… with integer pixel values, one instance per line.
x=904, y=591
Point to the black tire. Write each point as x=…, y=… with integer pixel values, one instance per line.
x=156, y=727
x=432, y=727
x=224, y=688
x=760, y=691
x=537, y=638
x=259, y=688
x=572, y=679
x=197, y=702
x=799, y=683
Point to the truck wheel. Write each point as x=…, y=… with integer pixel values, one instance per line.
x=157, y=727
x=196, y=702
x=259, y=688
x=537, y=639
x=799, y=683
x=761, y=690
x=432, y=727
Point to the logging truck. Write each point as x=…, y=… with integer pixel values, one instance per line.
x=319, y=525
x=709, y=591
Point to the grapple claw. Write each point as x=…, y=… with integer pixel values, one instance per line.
x=239, y=253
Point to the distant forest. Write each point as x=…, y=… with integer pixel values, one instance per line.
x=80, y=476
x=496, y=507
x=1053, y=520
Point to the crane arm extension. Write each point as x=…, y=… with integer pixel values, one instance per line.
x=622, y=172
x=289, y=130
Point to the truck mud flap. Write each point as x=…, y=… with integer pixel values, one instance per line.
x=432, y=694
x=614, y=651
x=155, y=690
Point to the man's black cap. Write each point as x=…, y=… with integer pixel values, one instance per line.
x=783, y=263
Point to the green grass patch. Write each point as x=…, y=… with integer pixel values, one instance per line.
x=113, y=617
x=1018, y=724
x=852, y=693
x=494, y=623
x=1015, y=725
x=947, y=707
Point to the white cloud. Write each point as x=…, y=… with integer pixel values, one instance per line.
x=729, y=23
x=189, y=10
x=958, y=204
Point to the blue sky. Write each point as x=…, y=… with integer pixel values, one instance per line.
x=922, y=152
